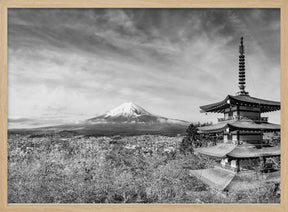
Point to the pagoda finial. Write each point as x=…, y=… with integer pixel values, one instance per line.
x=242, y=69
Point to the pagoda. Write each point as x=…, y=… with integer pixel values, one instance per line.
x=242, y=126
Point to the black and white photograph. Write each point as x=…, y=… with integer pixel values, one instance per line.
x=144, y=106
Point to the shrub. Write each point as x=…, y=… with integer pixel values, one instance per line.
x=50, y=169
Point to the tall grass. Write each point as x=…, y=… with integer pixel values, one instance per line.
x=77, y=169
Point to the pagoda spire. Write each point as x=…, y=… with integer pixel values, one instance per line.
x=242, y=79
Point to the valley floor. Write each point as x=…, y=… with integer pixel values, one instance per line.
x=68, y=168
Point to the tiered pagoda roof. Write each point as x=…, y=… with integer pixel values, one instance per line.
x=239, y=124
x=234, y=151
x=274, y=177
x=220, y=150
x=241, y=100
x=244, y=151
x=223, y=179
x=214, y=177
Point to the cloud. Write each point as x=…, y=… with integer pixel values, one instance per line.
x=170, y=61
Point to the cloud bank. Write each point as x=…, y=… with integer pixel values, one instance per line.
x=81, y=62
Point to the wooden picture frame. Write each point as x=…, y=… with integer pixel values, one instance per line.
x=5, y=4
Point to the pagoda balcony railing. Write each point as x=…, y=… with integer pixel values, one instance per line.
x=227, y=118
x=221, y=119
x=262, y=119
x=227, y=167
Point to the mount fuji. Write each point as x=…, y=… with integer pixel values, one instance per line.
x=132, y=113
x=127, y=119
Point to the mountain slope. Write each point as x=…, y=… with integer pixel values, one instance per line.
x=126, y=119
x=131, y=113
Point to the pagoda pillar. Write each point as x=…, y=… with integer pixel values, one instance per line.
x=261, y=140
x=238, y=112
x=238, y=165
x=262, y=162
x=238, y=137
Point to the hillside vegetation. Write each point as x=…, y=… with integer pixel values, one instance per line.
x=67, y=168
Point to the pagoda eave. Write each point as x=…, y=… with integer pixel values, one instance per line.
x=241, y=100
x=219, y=150
x=240, y=125
x=243, y=152
x=216, y=177
x=223, y=150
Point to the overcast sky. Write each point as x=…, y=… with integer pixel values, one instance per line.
x=75, y=63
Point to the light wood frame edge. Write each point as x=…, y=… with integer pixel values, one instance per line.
x=5, y=4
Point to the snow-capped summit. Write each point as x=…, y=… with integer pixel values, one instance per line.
x=127, y=109
x=131, y=113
